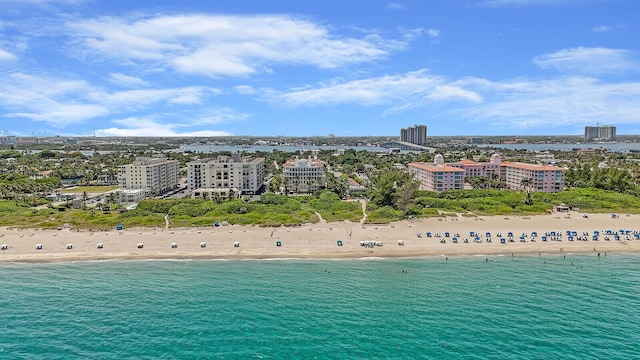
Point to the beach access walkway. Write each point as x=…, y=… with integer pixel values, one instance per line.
x=364, y=211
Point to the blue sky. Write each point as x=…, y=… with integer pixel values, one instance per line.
x=305, y=68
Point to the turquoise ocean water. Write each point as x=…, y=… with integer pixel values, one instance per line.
x=527, y=307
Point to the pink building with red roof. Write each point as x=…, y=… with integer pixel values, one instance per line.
x=440, y=176
x=437, y=176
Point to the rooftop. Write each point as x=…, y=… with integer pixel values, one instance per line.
x=435, y=167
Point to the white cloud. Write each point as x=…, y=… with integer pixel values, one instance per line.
x=222, y=45
x=589, y=60
x=600, y=29
x=395, y=6
x=61, y=115
x=449, y=92
x=399, y=92
x=144, y=97
x=433, y=33
x=514, y=104
x=219, y=115
x=533, y=2
x=606, y=28
x=245, y=89
x=42, y=2
x=546, y=104
x=6, y=56
x=126, y=80
x=61, y=102
x=148, y=126
x=47, y=100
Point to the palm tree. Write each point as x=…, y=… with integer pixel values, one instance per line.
x=113, y=198
x=526, y=185
x=85, y=196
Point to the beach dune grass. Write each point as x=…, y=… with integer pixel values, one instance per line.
x=277, y=210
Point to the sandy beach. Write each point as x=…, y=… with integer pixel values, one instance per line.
x=319, y=241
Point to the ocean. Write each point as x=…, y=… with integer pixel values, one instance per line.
x=476, y=307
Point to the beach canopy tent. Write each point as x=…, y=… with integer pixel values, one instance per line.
x=216, y=224
x=339, y=242
x=278, y=243
x=119, y=227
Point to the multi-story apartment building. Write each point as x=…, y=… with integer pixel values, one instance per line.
x=437, y=176
x=440, y=176
x=543, y=178
x=157, y=175
x=476, y=169
x=303, y=175
x=225, y=175
x=599, y=133
x=416, y=134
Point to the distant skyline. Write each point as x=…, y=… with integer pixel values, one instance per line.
x=307, y=68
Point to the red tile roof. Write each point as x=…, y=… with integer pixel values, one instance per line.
x=534, y=167
x=434, y=167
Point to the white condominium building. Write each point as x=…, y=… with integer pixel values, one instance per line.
x=226, y=172
x=303, y=175
x=157, y=175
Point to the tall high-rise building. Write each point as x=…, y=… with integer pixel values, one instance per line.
x=607, y=133
x=599, y=133
x=416, y=134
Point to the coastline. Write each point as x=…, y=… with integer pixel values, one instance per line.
x=319, y=241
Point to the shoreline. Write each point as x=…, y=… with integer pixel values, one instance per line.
x=319, y=241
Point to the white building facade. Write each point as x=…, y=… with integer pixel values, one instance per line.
x=158, y=175
x=302, y=176
x=128, y=196
x=226, y=176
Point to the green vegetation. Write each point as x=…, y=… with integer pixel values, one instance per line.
x=271, y=210
x=600, y=182
x=88, y=189
x=494, y=202
x=279, y=210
